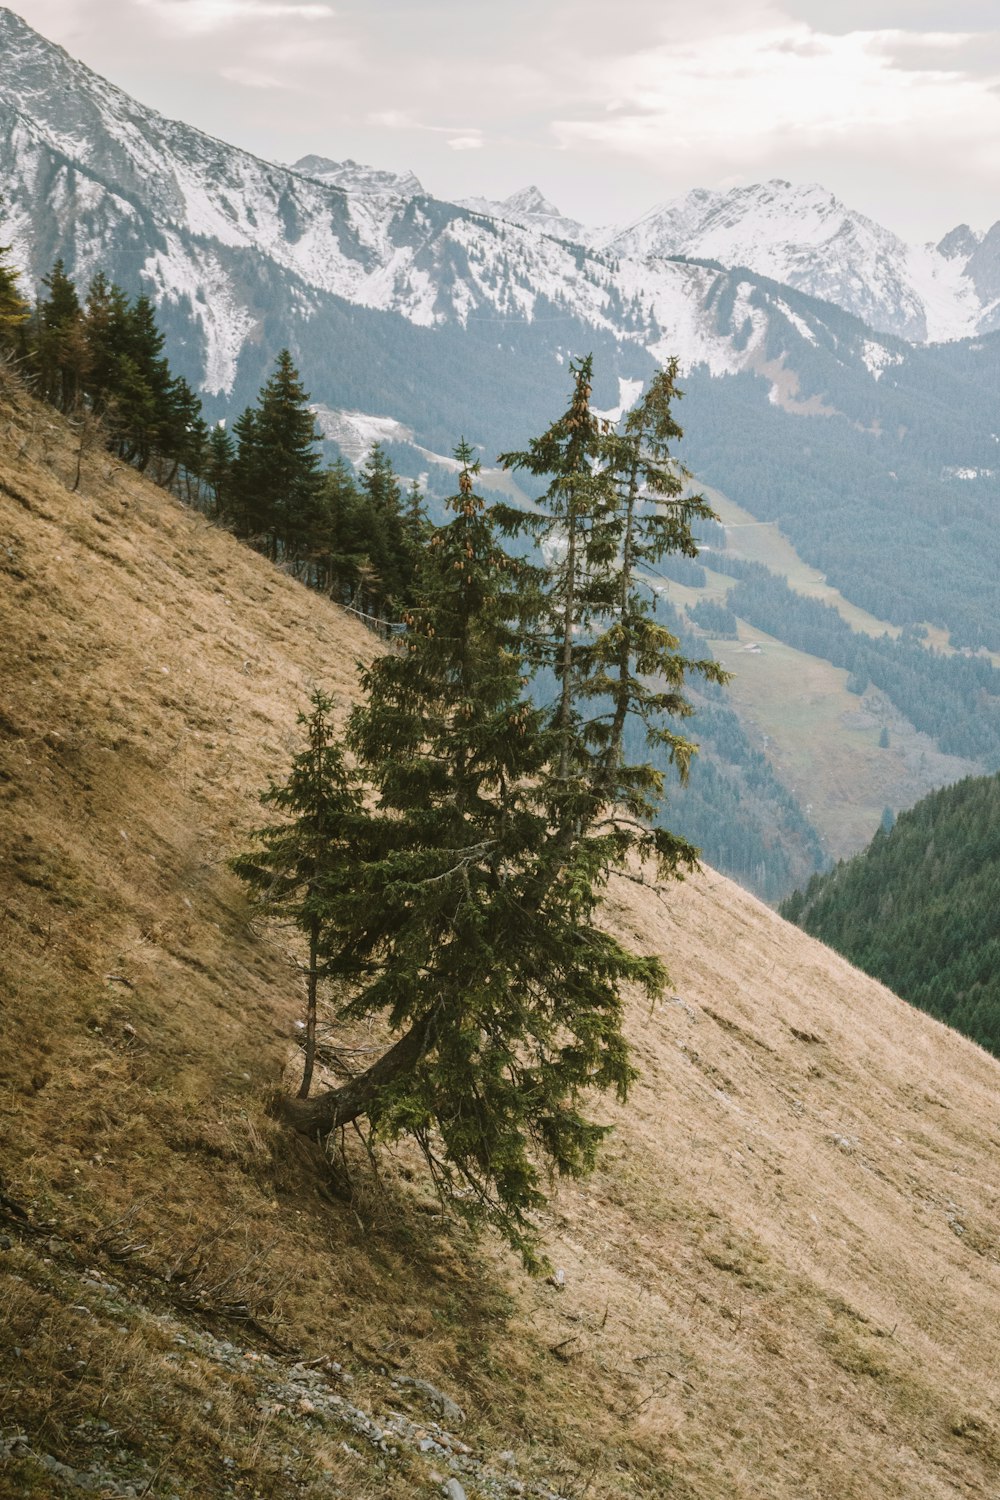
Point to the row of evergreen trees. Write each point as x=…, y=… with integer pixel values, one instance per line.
x=100, y=360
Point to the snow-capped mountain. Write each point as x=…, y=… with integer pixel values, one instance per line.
x=354, y=177
x=243, y=256
x=356, y=269
x=529, y=208
x=415, y=321
x=804, y=236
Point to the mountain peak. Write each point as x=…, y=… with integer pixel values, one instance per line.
x=356, y=177
x=960, y=241
x=530, y=200
x=803, y=235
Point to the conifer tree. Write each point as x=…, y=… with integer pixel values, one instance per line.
x=386, y=542
x=635, y=664
x=287, y=440
x=62, y=352
x=14, y=310
x=220, y=456
x=278, y=465
x=615, y=504
x=244, y=506
x=341, y=554
x=571, y=524
x=493, y=823
x=301, y=867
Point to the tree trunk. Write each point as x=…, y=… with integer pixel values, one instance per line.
x=310, y=1038
x=327, y=1112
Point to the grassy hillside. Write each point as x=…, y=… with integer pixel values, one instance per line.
x=783, y=1281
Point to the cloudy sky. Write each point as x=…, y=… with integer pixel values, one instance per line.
x=608, y=105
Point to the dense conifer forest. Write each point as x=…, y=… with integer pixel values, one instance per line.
x=920, y=908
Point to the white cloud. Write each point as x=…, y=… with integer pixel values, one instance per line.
x=249, y=78
x=197, y=17
x=466, y=143
x=737, y=97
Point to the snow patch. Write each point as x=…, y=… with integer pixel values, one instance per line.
x=354, y=432
x=629, y=392
x=878, y=358
x=958, y=472
x=951, y=306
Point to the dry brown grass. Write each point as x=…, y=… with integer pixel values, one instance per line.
x=783, y=1282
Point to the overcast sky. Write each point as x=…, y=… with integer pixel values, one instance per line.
x=609, y=106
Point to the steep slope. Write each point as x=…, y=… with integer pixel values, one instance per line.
x=918, y=907
x=784, y=1279
x=803, y=235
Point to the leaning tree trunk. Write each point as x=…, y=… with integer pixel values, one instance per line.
x=359, y=1096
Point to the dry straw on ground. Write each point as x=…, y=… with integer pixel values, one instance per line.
x=784, y=1280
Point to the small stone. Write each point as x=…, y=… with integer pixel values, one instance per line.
x=448, y=1410
x=452, y=1490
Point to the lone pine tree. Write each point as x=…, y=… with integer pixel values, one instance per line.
x=494, y=820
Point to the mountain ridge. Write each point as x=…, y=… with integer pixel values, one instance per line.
x=803, y=236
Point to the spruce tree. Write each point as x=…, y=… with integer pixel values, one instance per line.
x=220, y=456
x=636, y=665
x=62, y=352
x=384, y=534
x=14, y=310
x=344, y=553
x=570, y=525
x=289, y=483
x=300, y=867
x=244, y=506
x=614, y=506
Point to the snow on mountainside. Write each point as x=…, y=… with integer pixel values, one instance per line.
x=354, y=177
x=807, y=238
x=529, y=208
x=243, y=255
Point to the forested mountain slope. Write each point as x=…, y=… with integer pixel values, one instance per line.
x=920, y=907
x=783, y=1279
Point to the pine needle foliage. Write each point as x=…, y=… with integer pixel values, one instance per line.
x=477, y=935
x=14, y=310
x=301, y=867
x=615, y=505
